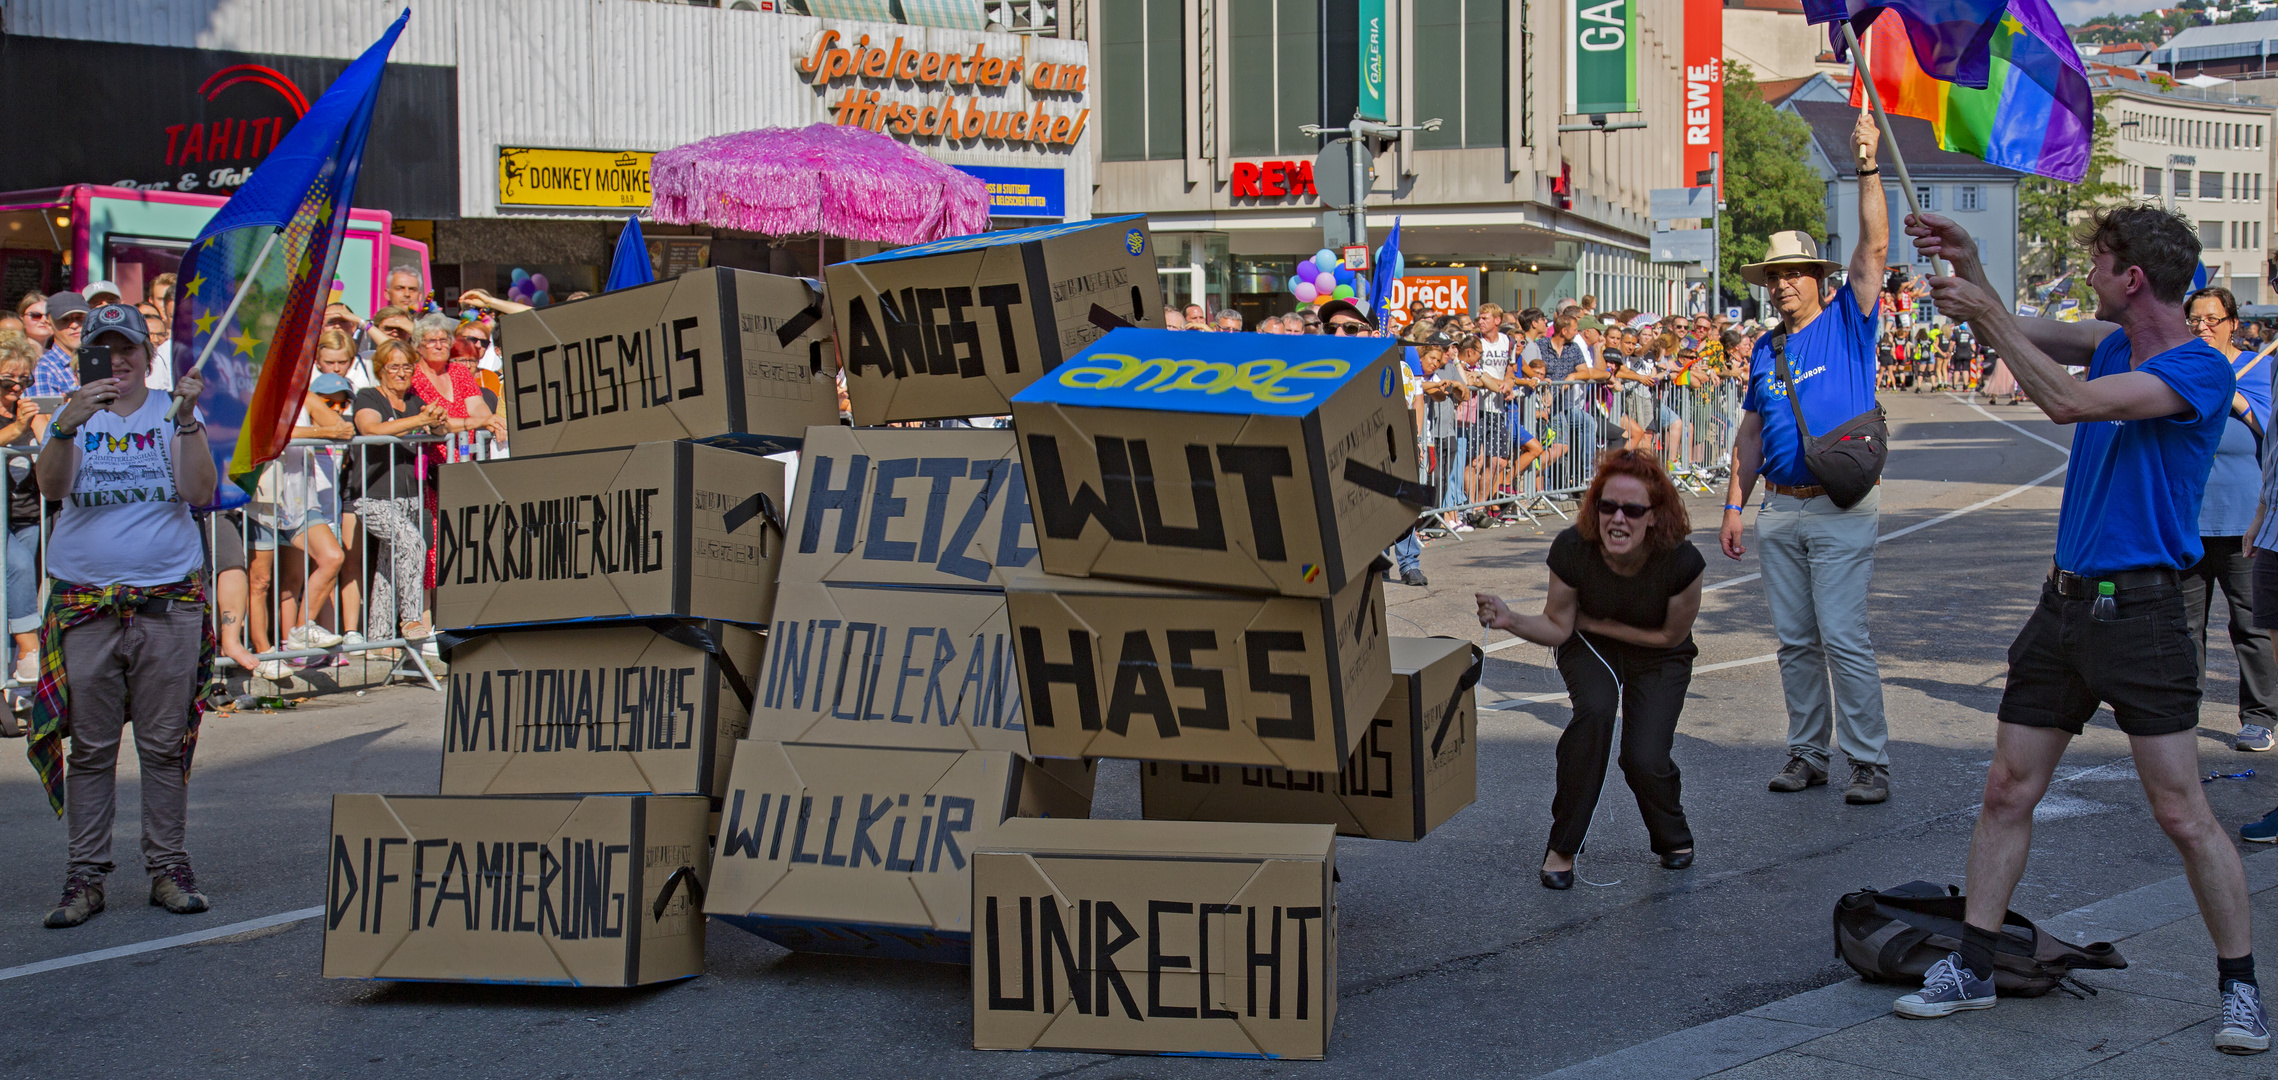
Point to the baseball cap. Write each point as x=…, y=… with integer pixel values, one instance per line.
x=99, y=288
x=65, y=303
x=327, y=384
x=1347, y=307
x=115, y=319
x=1591, y=322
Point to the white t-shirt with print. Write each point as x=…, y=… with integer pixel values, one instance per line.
x=123, y=522
x=1495, y=364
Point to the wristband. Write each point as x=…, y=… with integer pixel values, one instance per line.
x=55, y=431
x=1876, y=171
x=190, y=429
x=1742, y=509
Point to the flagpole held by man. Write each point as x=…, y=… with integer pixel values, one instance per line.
x=1817, y=540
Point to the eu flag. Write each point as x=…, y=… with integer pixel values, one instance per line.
x=254, y=282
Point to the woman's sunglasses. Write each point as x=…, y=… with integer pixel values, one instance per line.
x=1632, y=511
x=11, y=382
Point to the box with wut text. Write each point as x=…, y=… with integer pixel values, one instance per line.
x=651, y=707
x=716, y=355
x=955, y=327
x=1411, y=769
x=1276, y=463
x=1138, y=937
x=659, y=530
x=864, y=850
x=561, y=890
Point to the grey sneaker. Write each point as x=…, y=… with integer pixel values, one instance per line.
x=176, y=889
x=2254, y=738
x=1950, y=987
x=2244, y=1030
x=1869, y=784
x=1798, y=774
x=82, y=898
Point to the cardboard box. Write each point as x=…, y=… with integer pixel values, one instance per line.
x=1279, y=463
x=652, y=708
x=955, y=327
x=1187, y=938
x=716, y=355
x=656, y=530
x=909, y=506
x=1118, y=669
x=561, y=890
x=1412, y=768
x=867, y=851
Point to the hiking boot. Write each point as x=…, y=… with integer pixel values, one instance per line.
x=1869, y=784
x=2244, y=1029
x=176, y=890
x=1798, y=774
x=82, y=898
x=1950, y=987
x=2254, y=738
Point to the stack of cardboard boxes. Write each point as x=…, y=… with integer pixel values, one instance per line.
x=606, y=590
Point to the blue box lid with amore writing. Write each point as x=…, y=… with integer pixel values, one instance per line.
x=1240, y=374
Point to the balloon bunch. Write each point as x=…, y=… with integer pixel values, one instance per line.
x=529, y=288
x=1323, y=278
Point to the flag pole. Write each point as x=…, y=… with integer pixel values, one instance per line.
x=1890, y=139
x=228, y=313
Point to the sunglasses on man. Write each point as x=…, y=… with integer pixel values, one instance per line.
x=1350, y=328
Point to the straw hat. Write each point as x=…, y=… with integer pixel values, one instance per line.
x=1790, y=248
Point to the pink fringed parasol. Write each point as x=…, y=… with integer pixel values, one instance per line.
x=827, y=179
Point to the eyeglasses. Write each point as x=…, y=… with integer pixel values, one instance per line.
x=37, y=316
x=479, y=339
x=1632, y=511
x=1786, y=275
x=1350, y=328
x=2206, y=322
x=431, y=341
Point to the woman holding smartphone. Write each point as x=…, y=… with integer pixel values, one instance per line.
x=1625, y=586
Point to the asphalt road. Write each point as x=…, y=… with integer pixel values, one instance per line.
x=1453, y=962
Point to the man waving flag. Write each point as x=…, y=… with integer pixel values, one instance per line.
x=254, y=281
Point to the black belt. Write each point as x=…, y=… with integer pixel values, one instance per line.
x=2072, y=586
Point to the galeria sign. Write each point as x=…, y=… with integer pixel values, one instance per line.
x=1601, y=56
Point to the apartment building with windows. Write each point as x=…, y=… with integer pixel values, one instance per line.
x=2206, y=155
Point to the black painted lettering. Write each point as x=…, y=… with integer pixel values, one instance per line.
x=1139, y=689
x=844, y=501
x=1208, y=533
x=1260, y=646
x=1078, y=672
x=1158, y=960
x=1117, y=510
x=994, y=946
x=1258, y=466
x=1106, y=972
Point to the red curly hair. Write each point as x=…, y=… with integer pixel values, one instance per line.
x=1670, y=522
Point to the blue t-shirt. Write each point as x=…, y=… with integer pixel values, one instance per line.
x=2234, y=484
x=2132, y=491
x=1832, y=360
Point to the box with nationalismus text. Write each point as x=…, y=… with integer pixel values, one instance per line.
x=1273, y=462
x=716, y=355
x=563, y=890
x=955, y=327
x=665, y=530
x=1147, y=937
x=1413, y=767
x=651, y=707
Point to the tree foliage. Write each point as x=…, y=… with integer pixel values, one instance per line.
x=2048, y=210
x=1769, y=184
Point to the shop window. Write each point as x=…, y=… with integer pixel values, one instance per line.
x=1274, y=75
x=1142, y=80
x=1463, y=53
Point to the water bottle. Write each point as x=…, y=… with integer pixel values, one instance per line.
x=2106, y=609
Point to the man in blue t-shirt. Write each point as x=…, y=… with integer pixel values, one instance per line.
x=1818, y=557
x=2110, y=626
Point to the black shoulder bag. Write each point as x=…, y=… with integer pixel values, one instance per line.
x=1848, y=460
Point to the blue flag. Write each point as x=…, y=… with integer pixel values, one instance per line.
x=1387, y=270
x=255, y=281
x=630, y=266
x=1953, y=39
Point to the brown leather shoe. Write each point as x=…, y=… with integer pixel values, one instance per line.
x=82, y=898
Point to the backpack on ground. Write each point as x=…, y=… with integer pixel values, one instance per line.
x=1895, y=935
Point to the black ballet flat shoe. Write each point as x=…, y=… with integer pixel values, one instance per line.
x=1557, y=879
x=1676, y=860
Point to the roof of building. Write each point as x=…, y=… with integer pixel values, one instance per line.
x=1831, y=129
x=1795, y=6
x=2226, y=42
x=1777, y=90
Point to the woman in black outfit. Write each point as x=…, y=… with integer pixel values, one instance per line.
x=1625, y=586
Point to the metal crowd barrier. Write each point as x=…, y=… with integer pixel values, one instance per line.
x=260, y=562
x=1537, y=451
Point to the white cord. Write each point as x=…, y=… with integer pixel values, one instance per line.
x=1584, y=638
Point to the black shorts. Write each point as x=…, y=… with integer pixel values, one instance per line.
x=2143, y=664
x=2265, y=598
x=1491, y=437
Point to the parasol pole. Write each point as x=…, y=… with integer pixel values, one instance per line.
x=1890, y=139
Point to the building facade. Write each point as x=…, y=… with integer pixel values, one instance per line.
x=2207, y=156
x=1201, y=103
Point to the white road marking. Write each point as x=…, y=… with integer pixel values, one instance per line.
x=140, y=947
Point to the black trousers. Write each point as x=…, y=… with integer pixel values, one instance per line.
x=1651, y=691
x=2226, y=566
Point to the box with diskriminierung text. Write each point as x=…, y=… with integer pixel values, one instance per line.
x=651, y=707
x=1156, y=937
x=1413, y=767
x=562, y=890
x=865, y=850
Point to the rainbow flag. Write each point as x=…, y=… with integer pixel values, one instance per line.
x=255, y=281
x=2036, y=113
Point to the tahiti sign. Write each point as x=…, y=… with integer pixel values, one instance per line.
x=834, y=59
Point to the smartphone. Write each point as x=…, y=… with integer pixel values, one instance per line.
x=94, y=363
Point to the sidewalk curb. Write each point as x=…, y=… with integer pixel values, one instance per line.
x=1766, y=1030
